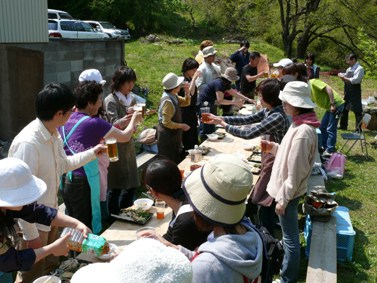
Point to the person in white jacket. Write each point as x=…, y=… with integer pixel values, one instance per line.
x=40, y=146
x=291, y=170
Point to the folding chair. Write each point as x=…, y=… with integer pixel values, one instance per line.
x=355, y=137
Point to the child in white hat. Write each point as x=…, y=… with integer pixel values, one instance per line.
x=19, y=191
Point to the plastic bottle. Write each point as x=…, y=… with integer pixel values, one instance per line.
x=94, y=244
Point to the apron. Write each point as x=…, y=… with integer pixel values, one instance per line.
x=92, y=174
x=169, y=141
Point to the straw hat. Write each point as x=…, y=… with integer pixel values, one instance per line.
x=208, y=51
x=145, y=260
x=297, y=94
x=18, y=186
x=92, y=75
x=172, y=81
x=231, y=74
x=218, y=190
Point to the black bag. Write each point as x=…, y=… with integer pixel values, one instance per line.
x=273, y=253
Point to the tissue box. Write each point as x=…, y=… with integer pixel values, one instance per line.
x=345, y=235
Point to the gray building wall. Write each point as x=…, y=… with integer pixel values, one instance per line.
x=25, y=68
x=23, y=21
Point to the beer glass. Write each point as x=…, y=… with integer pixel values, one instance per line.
x=264, y=146
x=205, y=114
x=112, y=149
x=140, y=107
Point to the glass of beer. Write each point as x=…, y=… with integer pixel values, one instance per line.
x=140, y=107
x=204, y=111
x=112, y=149
x=265, y=74
x=265, y=147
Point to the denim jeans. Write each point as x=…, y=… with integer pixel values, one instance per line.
x=6, y=277
x=328, y=129
x=289, y=225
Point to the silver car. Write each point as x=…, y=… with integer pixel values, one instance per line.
x=73, y=29
x=110, y=29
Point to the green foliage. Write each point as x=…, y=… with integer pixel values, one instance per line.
x=369, y=48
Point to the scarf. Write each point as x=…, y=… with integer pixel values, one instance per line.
x=308, y=118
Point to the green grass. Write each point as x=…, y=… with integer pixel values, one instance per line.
x=357, y=190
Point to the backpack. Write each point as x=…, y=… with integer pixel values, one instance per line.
x=273, y=253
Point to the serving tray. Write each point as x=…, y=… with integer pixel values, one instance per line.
x=134, y=215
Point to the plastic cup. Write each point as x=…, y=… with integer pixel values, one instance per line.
x=204, y=111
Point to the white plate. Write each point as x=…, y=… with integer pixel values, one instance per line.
x=111, y=254
x=143, y=203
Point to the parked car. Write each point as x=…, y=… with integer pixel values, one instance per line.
x=110, y=29
x=73, y=29
x=58, y=14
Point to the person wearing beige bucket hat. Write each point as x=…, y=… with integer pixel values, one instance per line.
x=19, y=190
x=208, y=70
x=217, y=193
x=170, y=126
x=294, y=159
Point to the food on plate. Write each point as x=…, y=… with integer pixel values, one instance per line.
x=255, y=157
x=134, y=215
x=143, y=203
x=204, y=149
x=220, y=135
x=110, y=254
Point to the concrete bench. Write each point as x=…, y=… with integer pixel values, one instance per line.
x=322, y=265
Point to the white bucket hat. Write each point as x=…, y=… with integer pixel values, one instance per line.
x=92, y=75
x=208, y=51
x=18, y=186
x=145, y=260
x=283, y=63
x=171, y=81
x=218, y=190
x=297, y=94
x=231, y=74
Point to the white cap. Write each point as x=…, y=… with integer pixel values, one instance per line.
x=283, y=63
x=91, y=75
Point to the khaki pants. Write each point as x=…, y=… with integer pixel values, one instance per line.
x=45, y=265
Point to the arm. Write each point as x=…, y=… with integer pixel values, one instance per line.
x=241, y=96
x=221, y=101
x=254, y=78
x=126, y=134
x=330, y=93
x=167, y=115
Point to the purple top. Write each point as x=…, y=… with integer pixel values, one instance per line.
x=87, y=135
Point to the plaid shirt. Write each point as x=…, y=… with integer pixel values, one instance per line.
x=272, y=122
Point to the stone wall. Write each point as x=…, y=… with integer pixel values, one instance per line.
x=25, y=68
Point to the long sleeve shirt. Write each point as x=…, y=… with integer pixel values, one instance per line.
x=355, y=73
x=45, y=155
x=168, y=111
x=12, y=259
x=273, y=122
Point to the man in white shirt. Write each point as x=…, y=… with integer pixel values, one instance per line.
x=41, y=147
x=352, y=91
x=208, y=69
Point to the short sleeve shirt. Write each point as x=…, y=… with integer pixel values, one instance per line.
x=87, y=135
x=209, y=92
x=319, y=94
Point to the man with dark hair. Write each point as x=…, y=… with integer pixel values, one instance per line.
x=41, y=147
x=352, y=91
x=249, y=75
x=241, y=58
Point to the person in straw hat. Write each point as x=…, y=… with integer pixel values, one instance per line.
x=19, y=190
x=294, y=159
x=170, y=126
x=213, y=95
x=217, y=193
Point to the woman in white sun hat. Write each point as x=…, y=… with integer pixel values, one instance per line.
x=170, y=126
x=19, y=191
x=294, y=159
x=217, y=193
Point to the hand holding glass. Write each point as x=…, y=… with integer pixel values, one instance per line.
x=112, y=149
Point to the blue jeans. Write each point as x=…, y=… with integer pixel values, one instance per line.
x=6, y=277
x=289, y=225
x=328, y=129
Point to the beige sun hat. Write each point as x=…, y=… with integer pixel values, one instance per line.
x=171, y=81
x=18, y=186
x=218, y=190
x=92, y=75
x=297, y=94
x=208, y=51
x=230, y=74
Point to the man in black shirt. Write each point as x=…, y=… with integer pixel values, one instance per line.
x=249, y=75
